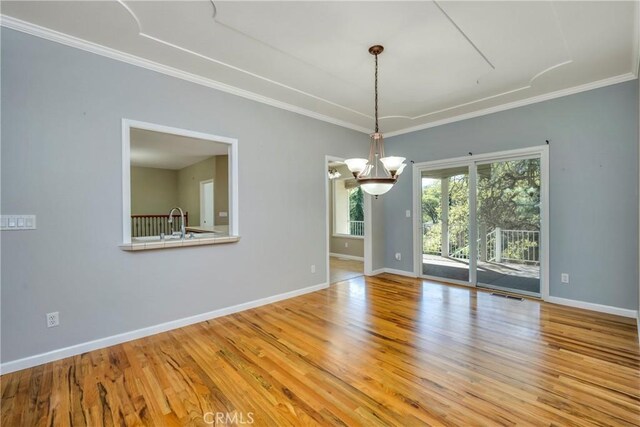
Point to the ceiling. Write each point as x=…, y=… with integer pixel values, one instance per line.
x=443, y=61
x=160, y=150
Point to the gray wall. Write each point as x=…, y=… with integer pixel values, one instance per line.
x=378, y=227
x=593, y=185
x=355, y=246
x=221, y=190
x=61, y=110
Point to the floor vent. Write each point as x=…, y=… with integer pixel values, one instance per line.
x=507, y=296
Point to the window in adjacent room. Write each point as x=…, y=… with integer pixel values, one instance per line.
x=348, y=208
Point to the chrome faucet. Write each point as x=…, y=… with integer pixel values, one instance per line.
x=182, y=228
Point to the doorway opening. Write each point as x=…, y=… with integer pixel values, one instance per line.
x=346, y=211
x=206, y=203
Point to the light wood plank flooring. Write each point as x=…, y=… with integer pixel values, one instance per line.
x=381, y=351
x=343, y=269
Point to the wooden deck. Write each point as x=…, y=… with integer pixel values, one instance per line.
x=381, y=351
x=507, y=275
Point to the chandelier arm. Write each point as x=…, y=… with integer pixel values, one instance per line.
x=372, y=155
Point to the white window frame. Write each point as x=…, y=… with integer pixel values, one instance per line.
x=128, y=124
x=333, y=232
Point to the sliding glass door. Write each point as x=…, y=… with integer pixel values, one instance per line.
x=445, y=223
x=508, y=224
x=498, y=200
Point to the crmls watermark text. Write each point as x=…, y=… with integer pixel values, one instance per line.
x=228, y=418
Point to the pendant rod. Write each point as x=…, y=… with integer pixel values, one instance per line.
x=376, y=92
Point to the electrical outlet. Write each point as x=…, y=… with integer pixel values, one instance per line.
x=564, y=277
x=313, y=268
x=346, y=244
x=408, y=213
x=398, y=256
x=53, y=319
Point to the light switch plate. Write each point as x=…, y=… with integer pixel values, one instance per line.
x=18, y=222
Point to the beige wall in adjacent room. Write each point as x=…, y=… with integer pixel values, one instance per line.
x=336, y=244
x=221, y=190
x=153, y=191
x=189, y=180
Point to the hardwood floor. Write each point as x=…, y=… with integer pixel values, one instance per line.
x=343, y=269
x=385, y=351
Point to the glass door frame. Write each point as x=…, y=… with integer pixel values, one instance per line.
x=472, y=162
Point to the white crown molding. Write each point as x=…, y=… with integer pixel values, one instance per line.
x=67, y=40
x=475, y=101
x=61, y=353
x=156, y=39
x=521, y=103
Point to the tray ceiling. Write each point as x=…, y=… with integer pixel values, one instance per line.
x=442, y=60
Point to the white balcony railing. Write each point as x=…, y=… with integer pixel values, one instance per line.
x=513, y=245
x=356, y=228
x=520, y=246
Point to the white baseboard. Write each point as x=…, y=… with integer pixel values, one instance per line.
x=39, y=359
x=393, y=271
x=594, y=307
x=400, y=272
x=353, y=257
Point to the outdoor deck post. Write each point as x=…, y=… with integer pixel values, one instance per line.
x=498, y=244
x=444, y=205
x=482, y=230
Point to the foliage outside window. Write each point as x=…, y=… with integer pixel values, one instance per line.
x=458, y=214
x=508, y=198
x=348, y=209
x=356, y=212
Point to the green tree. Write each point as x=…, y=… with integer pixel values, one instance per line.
x=431, y=204
x=458, y=212
x=356, y=205
x=509, y=195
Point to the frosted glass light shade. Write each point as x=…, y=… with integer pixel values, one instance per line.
x=392, y=163
x=401, y=169
x=376, y=189
x=376, y=186
x=356, y=165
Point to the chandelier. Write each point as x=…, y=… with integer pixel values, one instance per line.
x=334, y=174
x=377, y=174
